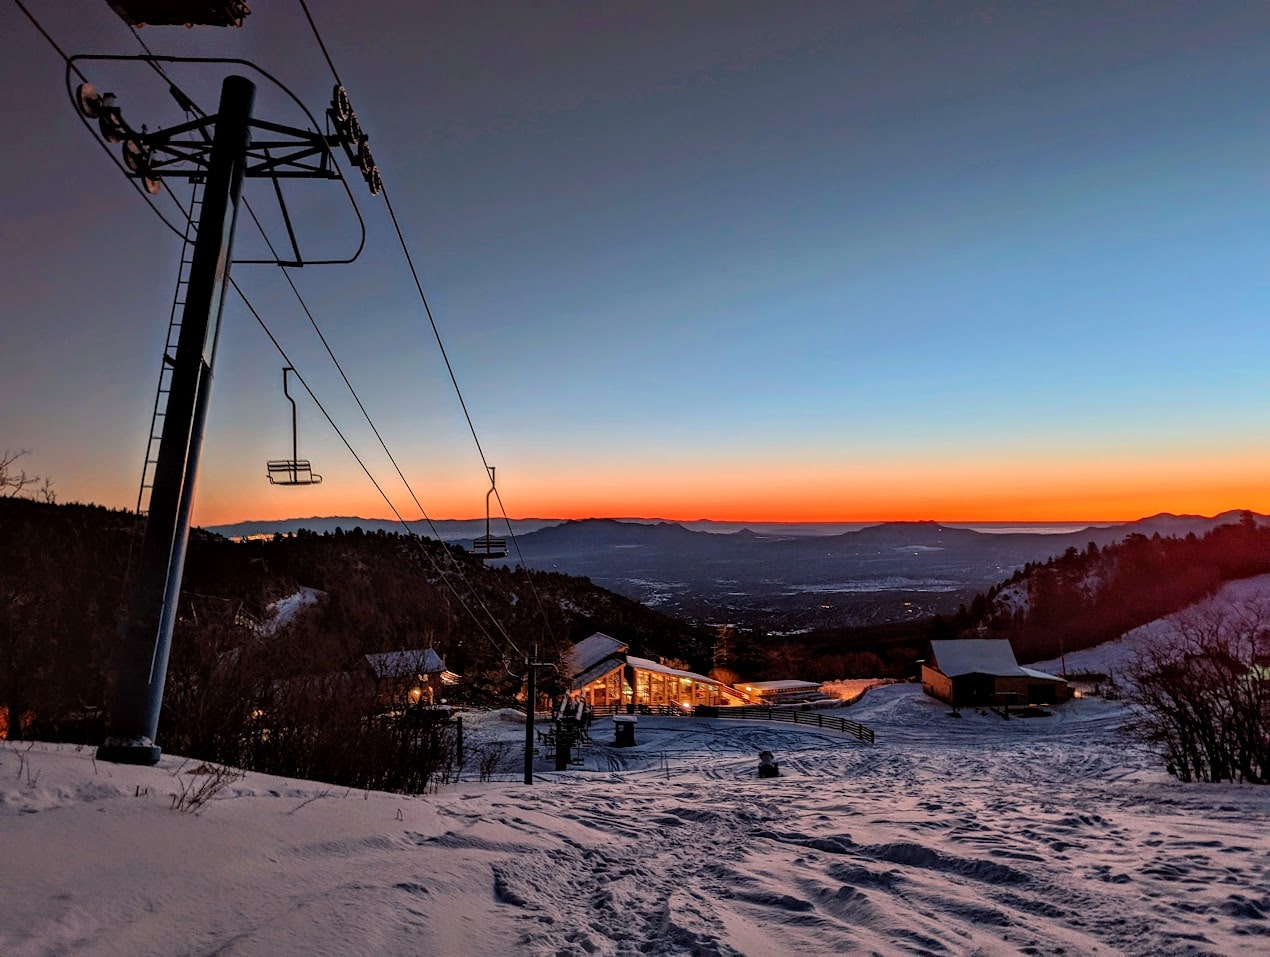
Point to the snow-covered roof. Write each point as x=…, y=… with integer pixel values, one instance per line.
x=597, y=671
x=591, y=651
x=645, y=664
x=771, y=687
x=599, y=655
x=405, y=664
x=976, y=656
x=1033, y=673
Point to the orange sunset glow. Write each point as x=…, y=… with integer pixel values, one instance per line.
x=950, y=492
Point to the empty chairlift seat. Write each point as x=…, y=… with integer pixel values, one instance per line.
x=295, y=470
x=292, y=472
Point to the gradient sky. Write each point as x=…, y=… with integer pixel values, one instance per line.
x=744, y=261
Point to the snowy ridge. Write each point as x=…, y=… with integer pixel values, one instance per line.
x=1113, y=657
x=283, y=611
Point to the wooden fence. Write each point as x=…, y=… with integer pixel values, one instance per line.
x=794, y=716
x=815, y=719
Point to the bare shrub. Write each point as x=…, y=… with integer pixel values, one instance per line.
x=490, y=754
x=1203, y=694
x=12, y=479
x=205, y=782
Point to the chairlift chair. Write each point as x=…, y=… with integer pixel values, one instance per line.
x=295, y=470
x=487, y=547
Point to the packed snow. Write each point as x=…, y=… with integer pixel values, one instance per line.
x=969, y=835
x=950, y=835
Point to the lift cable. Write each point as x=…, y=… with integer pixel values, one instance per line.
x=436, y=332
x=318, y=36
x=184, y=98
x=379, y=488
x=299, y=298
x=72, y=67
x=369, y=421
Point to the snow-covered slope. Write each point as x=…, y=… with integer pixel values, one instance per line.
x=1113, y=657
x=948, y=836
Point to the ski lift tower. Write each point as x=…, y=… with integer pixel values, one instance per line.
x=219, y=154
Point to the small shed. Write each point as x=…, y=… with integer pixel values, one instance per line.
x=969, y=672
x=411, y=677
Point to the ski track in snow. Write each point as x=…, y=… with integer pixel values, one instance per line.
x=949, y=836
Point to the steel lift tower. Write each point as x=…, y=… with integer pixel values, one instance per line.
x=218, y=152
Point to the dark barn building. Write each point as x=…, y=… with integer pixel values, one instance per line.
x=971, y=672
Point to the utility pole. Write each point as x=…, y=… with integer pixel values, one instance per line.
x=531, y=700
x=531, y=704
x=147, y=630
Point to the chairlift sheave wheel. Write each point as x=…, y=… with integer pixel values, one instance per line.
x=341, y=105
x=135, y=156
x=111, y=125
x=152, y=185
x=88, y=101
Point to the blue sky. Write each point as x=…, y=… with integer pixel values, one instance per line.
x=729, y=260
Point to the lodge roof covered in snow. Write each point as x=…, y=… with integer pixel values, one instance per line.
x=594, y=649
x=405, y=664
x=980, y=656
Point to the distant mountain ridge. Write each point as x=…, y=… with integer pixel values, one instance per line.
x=447, y=529
x=884, y=572
x=790, y=577
x=452, y=530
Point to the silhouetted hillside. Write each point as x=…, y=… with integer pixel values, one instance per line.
x=1093, y=594
x=62, y=573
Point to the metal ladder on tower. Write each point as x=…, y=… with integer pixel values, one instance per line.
x=159, y=412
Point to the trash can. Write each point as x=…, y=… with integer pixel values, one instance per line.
x=624, y=731
x=768, y=767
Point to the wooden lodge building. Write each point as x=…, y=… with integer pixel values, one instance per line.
x=970, y=672
x=606, y=675
x=387, y=683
